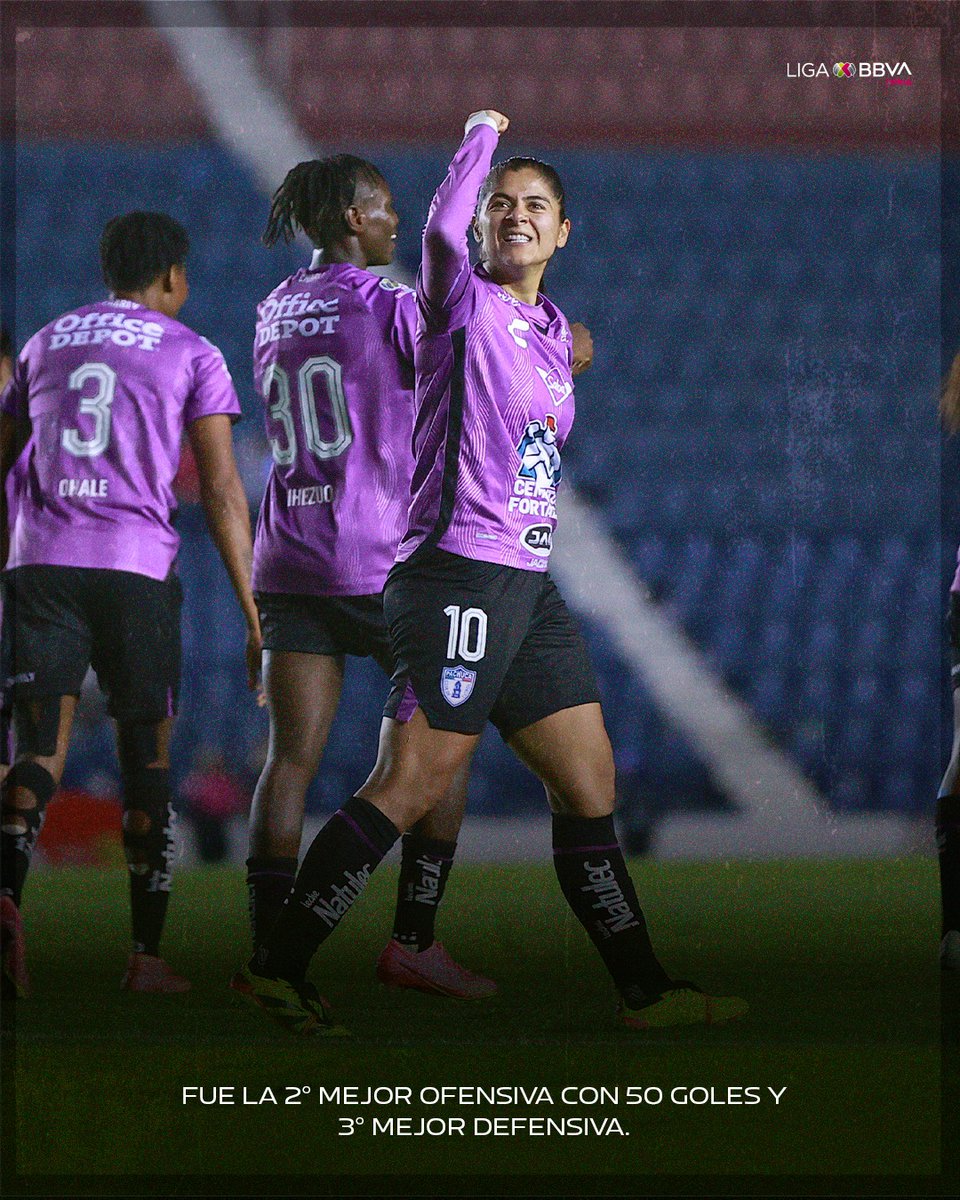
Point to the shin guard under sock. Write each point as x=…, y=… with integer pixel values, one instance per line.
x=424, y=868
x=594, y=879
x=334, y=872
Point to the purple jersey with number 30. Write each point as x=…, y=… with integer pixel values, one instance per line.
x=108, y=390
x=494, y=393
x=333, y=360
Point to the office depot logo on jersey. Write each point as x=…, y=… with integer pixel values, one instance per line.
x=95, y=328
x=851, y=70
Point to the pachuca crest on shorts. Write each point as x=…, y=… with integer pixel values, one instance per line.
x=494, y=394
x=333, y=361
x=108, y=390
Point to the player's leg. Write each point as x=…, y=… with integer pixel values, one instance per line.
x=148, y=844
x=303, y=694
x=427, y=853
x=415, y=768
x=47, y=647
x=413, y=958
x=556, y=728
x=948, y=816
x=136, y=655
x=427, y=737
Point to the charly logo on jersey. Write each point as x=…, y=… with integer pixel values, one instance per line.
x=456, y=684
x=557, y=386
x=538, y=539
x=539, y=456
x=517, y=327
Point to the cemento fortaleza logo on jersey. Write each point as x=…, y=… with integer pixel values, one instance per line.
x=456, y=684
x=539, y=456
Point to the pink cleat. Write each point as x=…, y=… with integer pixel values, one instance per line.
x=16, y=982
x=432, y=971
x=148, y=974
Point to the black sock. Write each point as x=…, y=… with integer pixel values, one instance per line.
x=594, y=879
x=150, y=864
x=424, y=868
x=948, y=848
x=333, y=874
x=20, y=827
x=269, y=881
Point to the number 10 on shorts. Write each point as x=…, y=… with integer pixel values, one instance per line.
x=467, y=638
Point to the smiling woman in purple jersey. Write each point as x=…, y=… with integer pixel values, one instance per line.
x=478, y=628
x=333, y=360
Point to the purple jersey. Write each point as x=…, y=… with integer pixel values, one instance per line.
x=108, y=390
x=333, y=360
x=955, y=586
x=494, y=393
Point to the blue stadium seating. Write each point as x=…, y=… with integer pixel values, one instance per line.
x=757, y=428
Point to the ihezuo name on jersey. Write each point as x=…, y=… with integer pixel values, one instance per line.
x=296, y=314
x=105, y=328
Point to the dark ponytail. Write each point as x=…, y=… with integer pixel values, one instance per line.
x=314, y=196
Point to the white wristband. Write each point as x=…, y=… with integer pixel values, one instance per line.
x=480, y=118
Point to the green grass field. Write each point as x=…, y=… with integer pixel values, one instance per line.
x=836, y=959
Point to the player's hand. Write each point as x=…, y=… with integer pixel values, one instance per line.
x=582, y=347
x=252, y=653
x=502, y=121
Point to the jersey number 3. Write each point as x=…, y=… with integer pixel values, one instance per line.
x=285, y=452
x=96, y=406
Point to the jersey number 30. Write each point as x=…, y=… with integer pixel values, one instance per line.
x=323, y=365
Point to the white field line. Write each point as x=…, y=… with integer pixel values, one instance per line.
x=249, y=117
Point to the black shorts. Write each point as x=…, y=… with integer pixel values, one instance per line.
x=58, y=621
x=330, y=625
x=476, y=641
x=953, y=624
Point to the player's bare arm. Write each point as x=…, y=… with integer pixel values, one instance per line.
x=582, y=347
x=228, y=518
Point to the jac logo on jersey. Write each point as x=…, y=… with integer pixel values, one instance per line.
x=456, y=684
x=517, y=326
x=538, y=539
x=539, y=456
x=558, y=387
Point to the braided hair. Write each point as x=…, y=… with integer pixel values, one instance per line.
x=314, y=196
x=139, y=246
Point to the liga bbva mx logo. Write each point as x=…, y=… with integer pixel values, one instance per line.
x=844, y=70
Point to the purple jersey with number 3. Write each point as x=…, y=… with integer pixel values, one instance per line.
x=333, y=360
x=494, y=393
x=108, y=390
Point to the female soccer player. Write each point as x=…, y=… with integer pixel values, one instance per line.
x=107, y=393
x=333, y=358
x=948, y=798
x=478, y=628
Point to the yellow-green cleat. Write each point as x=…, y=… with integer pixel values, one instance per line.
x=684, y=1004
x=296, y=1007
